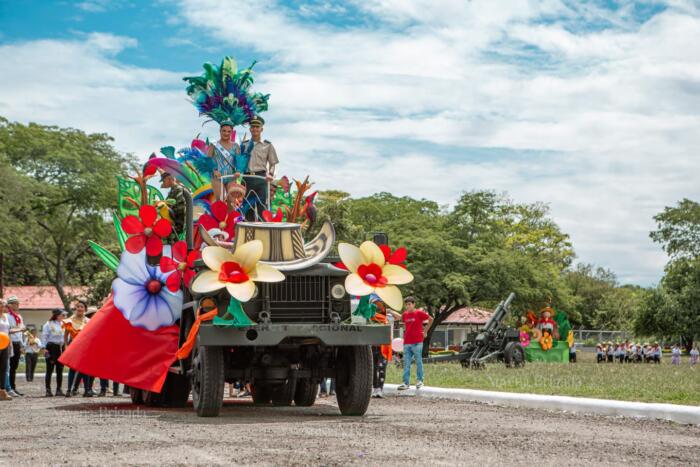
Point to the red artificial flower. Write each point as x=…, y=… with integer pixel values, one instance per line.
x=371, y=274
x=149, y=170
x=267, y=216
x=182, y=263
x=145, y=231
x=220, y=218
x=232, y=272
x=397, y=257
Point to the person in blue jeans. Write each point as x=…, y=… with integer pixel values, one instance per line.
x=413, y=321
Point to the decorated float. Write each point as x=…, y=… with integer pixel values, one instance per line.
x=203, y=297
x=546, y=337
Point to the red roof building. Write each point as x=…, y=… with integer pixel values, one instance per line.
x=469, y=315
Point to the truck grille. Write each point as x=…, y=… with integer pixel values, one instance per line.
x=300, y=299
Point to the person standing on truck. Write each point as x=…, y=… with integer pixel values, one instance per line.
x=263, y=159
x=413, y=321
x=223, y=152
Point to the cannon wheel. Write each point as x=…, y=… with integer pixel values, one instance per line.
x=207, y=380
x=136, y=396
x=283, y=394
x=354, y=379
x=260, y=393
x=306, y=392
x=514, y=355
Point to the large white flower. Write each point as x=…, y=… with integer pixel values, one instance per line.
x=235, y=271
x=370, y=273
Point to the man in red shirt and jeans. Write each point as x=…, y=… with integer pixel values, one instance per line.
x=413, y=341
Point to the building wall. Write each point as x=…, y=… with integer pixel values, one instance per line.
x=36, y=318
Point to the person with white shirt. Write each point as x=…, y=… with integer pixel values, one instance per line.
x=52, y=335
x=32, y=347
x=17, y=324
x=5, y=352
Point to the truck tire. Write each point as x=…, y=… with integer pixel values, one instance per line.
x=151, y=399
x=208, y=380
x=306, y=392
x=514, y=355
x=283, y=394
x=136, y=396
x=353, y=385
x=260, y=394
x=176, y=391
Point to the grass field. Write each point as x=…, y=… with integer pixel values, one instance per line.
x=586, y=378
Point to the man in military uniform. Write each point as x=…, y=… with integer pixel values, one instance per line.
x=177, y=210
x=263, y=159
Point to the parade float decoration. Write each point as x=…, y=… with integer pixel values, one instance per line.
x=549, y=335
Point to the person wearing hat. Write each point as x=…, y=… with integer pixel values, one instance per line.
x=223, y=152
x=177, y=210
x=263, y=159
x=17, y=323
x=610, y=352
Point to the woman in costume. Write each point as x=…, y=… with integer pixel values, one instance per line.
x=224, y=152
x=72, y=327
x=381, y=354
x=52, y=336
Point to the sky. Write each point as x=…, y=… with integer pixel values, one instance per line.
x=592, y=107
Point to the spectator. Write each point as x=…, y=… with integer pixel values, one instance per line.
x=572, y=353
x=327, y=389
x=16, y=337
x=32, y=347
x=609, y=351
x=675, y=355
x=4, y=352
x=52, y=339
x=413, y=321
x=72, y=328
x=381, y=354
x=656, y=353
x=694, y=354
x=104, y=385
x=599, y=353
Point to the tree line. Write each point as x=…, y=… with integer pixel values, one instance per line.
x=60, y=187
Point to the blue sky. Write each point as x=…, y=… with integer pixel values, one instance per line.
x=591, y=107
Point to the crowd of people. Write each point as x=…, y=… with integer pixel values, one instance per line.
x=55, y=336
x=632, y=352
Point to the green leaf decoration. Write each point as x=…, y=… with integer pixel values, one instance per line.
x=105, y=255
x=237, y=319
x=129, y=189
x=168, y=151
x=121, y=235
x=365, y=308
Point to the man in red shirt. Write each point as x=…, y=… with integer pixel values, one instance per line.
x=413, y=321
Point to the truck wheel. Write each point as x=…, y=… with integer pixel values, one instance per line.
x=514, y=355
x=353, y=384
x=136, y=396
x=306, y=392
x=176, y=391
x=151, y=399
x=283, y=394
x=260, y=393
x=207, y=380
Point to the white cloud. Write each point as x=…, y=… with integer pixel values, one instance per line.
x=600, y=123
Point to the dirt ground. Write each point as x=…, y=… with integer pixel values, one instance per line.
x=396, y=430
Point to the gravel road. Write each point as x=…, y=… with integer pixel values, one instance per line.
x=395, y=431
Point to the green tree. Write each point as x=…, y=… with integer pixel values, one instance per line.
x=588, y=286
x=73, y=185
x=679, y=230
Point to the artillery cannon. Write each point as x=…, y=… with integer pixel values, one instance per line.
x=495, y=341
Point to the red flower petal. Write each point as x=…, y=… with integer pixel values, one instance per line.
x=386, y=250
x=219, y=210
x=136, y=243
x=132, y=225
x=399, y=256
x=340, y=265
x=193, y=256
x=154, y=246
x=162, y=228
x=173, y=281
x=167, y=264
x=180, y=251
x=148, y=215
x=232, y=272
x=208, y=222
x=189, y=275
x=267, y=216
x=149, y=170
x=231, y=231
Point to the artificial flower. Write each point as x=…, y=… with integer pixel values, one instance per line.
x=182, y=263
x=268, y=217
x=524, y=338
x=146, y=231
x=370, y=273
x=236, y=271
x=396, y=257
x=220, y=218
x=140, y=293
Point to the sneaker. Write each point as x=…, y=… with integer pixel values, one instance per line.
x=102, y=393
x=374, y=392
x=380, y=394
x=49, y=393
x=419, y=384
x=403, y=387
x=17, y=392
x=12, y=393
x=59, y=393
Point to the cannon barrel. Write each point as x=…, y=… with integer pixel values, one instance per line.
x=499, y=314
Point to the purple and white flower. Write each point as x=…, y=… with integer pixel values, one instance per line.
x=140, y=293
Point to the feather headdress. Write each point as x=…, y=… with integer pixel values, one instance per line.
x=223, y=93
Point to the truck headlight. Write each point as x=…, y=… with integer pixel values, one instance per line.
x=338, y=291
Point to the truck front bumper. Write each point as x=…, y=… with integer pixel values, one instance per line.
x=276, y=334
